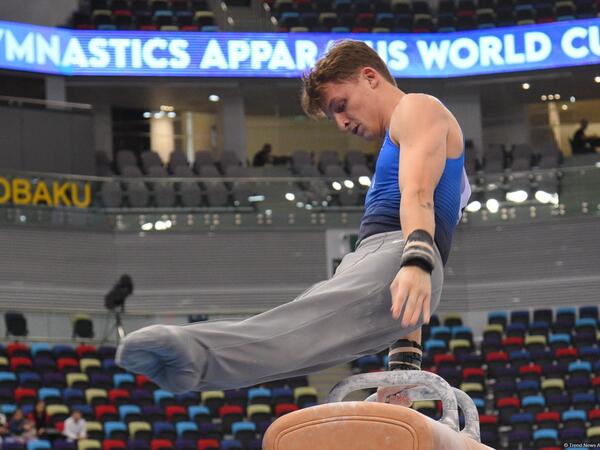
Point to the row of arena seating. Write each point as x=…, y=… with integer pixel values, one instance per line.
x=238, y=193
x=145, y=15
x=228, y=164
x=535, y=376
x=136, y=444
x=122, y=409
x=404, y=16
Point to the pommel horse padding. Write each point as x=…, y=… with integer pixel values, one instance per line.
x=369, y=425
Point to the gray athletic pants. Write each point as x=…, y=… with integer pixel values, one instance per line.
x=333, y=322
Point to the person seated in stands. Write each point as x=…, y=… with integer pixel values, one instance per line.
x=38, y=417
x=263, y=156
x=20, y=428
x=75, y=427
x=582, y=143
x=3, y=427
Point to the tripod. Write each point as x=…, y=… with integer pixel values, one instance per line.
x=117, y=326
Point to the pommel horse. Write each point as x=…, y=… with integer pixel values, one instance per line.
x=371, y=425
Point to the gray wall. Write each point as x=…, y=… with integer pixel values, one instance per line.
x=491, y=267
x=46, y=140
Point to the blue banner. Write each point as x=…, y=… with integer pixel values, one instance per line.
x=434, y=55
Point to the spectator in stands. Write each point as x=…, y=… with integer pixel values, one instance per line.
x=582, y=143
x=263, y=156
x=75, y=427
x=21, y=429
x=3, y=427
x=38, y=417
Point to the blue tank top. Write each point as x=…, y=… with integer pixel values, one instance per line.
x=382, y=205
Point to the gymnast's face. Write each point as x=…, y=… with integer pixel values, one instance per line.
x=353, y=104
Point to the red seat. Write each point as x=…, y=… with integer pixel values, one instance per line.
x=284, y=408
x=19, y=363
x=530, y=369
x=473, y=374
x=112, y=444
x=116, y=396
x=17, y=348
x=496, y=357
x=230, y=409
x=514, y=343
x=444, y=359
x=208, y=444
x=67, y=364
x=85, y=351
x=175, y=410
x=158, y=444
x=102, y=410
x=568, y=353
x=594, y=414
x=488, y=420
x=550, y=416
x=508, y=401
x=25, y=395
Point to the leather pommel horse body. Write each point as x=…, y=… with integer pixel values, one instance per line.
x=369, y=425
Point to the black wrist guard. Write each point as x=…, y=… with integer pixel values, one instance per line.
x=419, y=251
x=405, y=354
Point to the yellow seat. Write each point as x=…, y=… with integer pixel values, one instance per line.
x=52, y=410
x=207, y=395
x=89, y=363
x=73, y=378
x=136, y=427
x=93, y=426
x=535, y=340
x=258, y=409
x=88, y=444
x=456, y=344
x=304, y=390
x=593, y=432
x=473, y=389
x=94, y=395
x=553, y=383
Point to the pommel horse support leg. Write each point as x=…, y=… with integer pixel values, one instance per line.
x=369, y=425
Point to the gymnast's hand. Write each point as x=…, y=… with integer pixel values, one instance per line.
x=412, y=286
x=164, y=353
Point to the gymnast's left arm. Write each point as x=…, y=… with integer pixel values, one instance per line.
x=419, y=126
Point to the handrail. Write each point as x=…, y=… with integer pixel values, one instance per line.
x=20, y=101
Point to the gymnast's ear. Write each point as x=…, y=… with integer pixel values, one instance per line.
x=371, y=76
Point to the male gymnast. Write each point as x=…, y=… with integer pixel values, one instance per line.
x=380, y=294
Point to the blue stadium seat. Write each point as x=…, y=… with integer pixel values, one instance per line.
x=38, y=348
x=499, y=317
x=121, y=380
x=545, y=438
x=259, y=395
x=199, y=413
x=128, y=413
x=161, y=397
x=115, y=427
x=588, y=312
x=164, y=430
x=73, y=395
x=187, y=430
x=38, y=444
x=533, y=404
x=49, y=395
x=231, y=444
x=442, y=333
